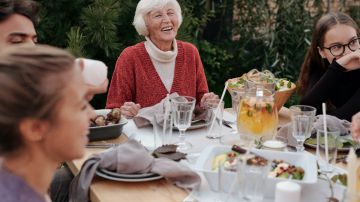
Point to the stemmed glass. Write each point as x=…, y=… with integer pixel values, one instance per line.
x=302, y=118
x=183, y=107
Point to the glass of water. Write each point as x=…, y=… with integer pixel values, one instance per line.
x=252, y=177
x=326, y=148
x=302, y=119
x=183, y=107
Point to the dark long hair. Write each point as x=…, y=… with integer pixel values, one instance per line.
x=313, y=59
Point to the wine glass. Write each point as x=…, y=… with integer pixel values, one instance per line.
x=257, y=115
x=302, y=119
x=183, y=107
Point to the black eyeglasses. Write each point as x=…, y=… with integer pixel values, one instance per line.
x=339, y=49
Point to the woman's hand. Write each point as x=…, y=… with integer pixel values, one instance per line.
x=350, y=61
x=130, y=109
x=208, y=96
x=355, y=126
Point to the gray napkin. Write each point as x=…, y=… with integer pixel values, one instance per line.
x=145, y=116
x=331, y=122
x=130, y=157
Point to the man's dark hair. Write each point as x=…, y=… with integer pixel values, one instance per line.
x=27, y=8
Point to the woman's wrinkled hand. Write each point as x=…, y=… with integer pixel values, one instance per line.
x=208, y=96
x=130, y=109
x=355, y=126
x=350, y=61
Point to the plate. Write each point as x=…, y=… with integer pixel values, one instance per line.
x=196, y=125
x=122, y=175
x=120, y=179
x=344, y=149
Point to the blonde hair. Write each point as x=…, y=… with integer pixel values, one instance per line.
x=31, y=83
x=144, y=7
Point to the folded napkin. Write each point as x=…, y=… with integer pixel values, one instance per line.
x=331, y=122
x=145, y=116
x=130, y=157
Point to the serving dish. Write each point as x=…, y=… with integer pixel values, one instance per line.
x=106, y=132
x=304, y=159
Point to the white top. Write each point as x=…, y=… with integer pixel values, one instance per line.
x=163, y=61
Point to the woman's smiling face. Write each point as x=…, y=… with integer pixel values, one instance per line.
x=162, y=25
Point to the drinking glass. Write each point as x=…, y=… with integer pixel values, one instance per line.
x=236, y=96
x=252, y=180
x=257, y=115
x=214, y=123
x=327, y=145
x=183, y=107
x=162, y=127
x=302, y=119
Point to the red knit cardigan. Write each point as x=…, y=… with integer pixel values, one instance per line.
x=135, y=78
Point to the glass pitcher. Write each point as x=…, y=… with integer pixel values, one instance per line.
x=257, y=115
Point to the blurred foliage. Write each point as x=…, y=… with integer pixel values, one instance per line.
x=233, y=36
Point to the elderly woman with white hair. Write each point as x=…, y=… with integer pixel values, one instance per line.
x=146, y=72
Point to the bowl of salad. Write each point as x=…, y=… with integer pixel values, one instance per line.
x=282, y=87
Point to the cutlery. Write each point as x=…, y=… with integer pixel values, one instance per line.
x=230, y=125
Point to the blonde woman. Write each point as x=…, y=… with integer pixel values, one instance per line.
x=44, y=119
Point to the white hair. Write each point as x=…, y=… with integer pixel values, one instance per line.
x=144, y=7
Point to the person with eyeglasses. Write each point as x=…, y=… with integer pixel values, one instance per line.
x=330, y=72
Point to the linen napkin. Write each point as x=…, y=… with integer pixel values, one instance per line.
x=155, y=114
x=131, y=157
x=145, y=116
x=331, y=122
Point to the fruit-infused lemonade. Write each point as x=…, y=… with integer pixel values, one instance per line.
x=257, y=116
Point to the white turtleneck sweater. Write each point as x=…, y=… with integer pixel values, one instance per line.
x=163, y=61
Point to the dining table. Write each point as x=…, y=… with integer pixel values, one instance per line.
x=104, y=190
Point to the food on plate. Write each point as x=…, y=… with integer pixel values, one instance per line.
x=343, y=143
x=257, y=161
x=169, y=151
x=113, y=117
x=100, y=120
x=228, y=160
x=238, y=149
x=281, y=169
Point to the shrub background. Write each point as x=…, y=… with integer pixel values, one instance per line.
x=233, y=36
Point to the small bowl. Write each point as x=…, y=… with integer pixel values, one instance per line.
x=276, y=143
x=106, y=132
